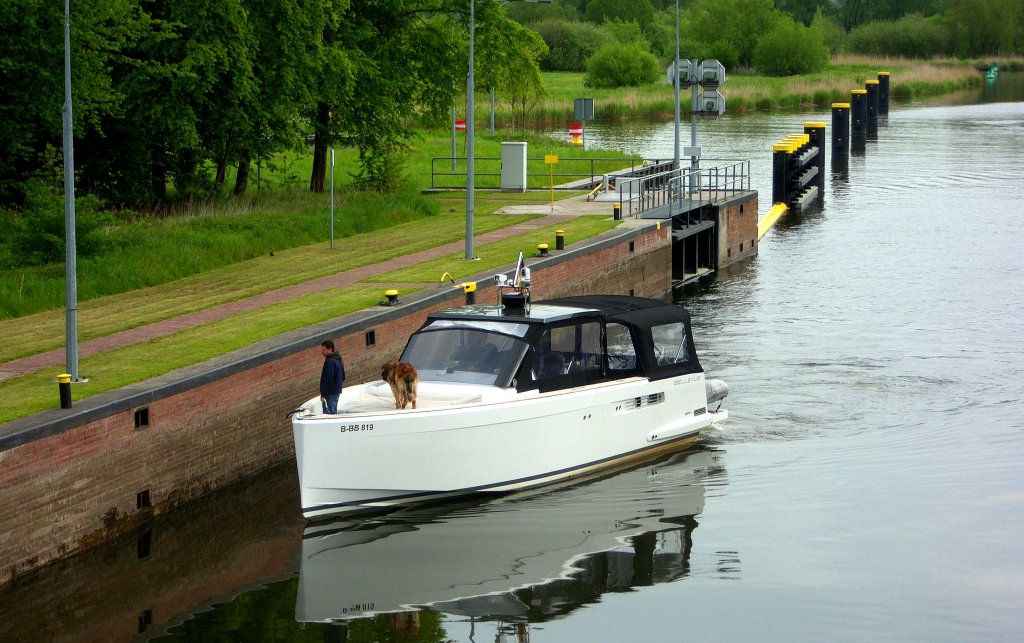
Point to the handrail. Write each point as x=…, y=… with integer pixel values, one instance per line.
x=442, y=177
x=673, y=187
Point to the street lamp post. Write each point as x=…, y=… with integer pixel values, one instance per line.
x=470, y=123
x=70, y=268
x=470, y=152
x=675, y=158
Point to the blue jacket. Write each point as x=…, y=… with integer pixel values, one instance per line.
x=333, y=375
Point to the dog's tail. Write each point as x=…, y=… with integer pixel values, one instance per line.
x=410, y=379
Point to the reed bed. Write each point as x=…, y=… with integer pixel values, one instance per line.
x=747, y=92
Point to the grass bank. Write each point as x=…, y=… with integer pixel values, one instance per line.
x=746, y=92
x=135, y=251
x=23, y=395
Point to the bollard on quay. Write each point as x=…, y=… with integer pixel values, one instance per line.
x=559, y=239
x=470, y=289
x=617, y=212
x=542, y=249
x=64, y=387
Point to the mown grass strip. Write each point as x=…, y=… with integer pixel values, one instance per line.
x=498, y=253
x=108, y=315
x=34, y=392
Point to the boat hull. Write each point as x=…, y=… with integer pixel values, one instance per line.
x=503, y=442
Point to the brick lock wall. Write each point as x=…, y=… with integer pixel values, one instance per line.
x=737, y=238
x=195, y=555
x=67, y=492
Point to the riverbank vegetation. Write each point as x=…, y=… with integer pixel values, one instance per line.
x=112, y=369
x=203, y=138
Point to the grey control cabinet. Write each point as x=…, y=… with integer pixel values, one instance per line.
x=513, y=167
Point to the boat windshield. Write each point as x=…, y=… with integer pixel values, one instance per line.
x=477, y=354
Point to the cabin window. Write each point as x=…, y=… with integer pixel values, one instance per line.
x=621, y=351
x=568, y=356
x=670, y=346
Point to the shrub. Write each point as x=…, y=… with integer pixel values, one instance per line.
x=622, y=65
x=790, y=48
x=569, y=43
x=38, y=232
x=912, y=36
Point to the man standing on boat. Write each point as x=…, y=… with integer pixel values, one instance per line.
x=331, y=377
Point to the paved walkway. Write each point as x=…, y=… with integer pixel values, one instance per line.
x=572, y=207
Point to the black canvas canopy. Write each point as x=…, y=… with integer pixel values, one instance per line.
x=643, y=317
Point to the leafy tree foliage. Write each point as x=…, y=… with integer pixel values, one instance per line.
x=638, y=11
x=740, y=23
x=570, y=43
x=831, y=33
x=622, y=65
x=986, y=27
x=790, y=48
x=912, y=36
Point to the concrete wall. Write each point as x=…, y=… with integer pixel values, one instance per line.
x=70, y=479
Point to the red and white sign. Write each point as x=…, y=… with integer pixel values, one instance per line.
x=575, y=130
x=460, y=125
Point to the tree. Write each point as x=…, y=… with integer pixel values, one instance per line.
x=789, y=49
x=622, y=65
x=401, y=63
x=986, y=27
x=569, y=43
x=512, y=65
x=32, y=90
x=739, y=22
x=638, y=11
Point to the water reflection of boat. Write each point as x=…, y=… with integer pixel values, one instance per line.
x=529, y=556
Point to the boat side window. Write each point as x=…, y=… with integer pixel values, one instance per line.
x=621, y=350
x=670, y=343
x=568, y=356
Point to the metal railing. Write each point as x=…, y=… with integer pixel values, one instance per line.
x=568, y=174
x=682, y=189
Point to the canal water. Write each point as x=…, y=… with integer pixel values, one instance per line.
x=869, y=484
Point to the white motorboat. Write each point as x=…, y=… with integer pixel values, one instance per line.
x=511, y=396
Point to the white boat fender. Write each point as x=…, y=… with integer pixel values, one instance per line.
x=716, y=390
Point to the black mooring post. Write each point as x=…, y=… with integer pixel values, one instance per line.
x=883, y=92
x=872, y=87
x=858, y=119
x=817, y=133
x=780, y=171
x=840, y=129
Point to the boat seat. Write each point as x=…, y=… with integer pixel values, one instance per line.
x=550, y=364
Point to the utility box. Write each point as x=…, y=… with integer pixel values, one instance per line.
x=513, y=167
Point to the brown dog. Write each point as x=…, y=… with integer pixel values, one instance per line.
x=403, y=379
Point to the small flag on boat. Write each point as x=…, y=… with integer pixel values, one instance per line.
x=517, y=281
